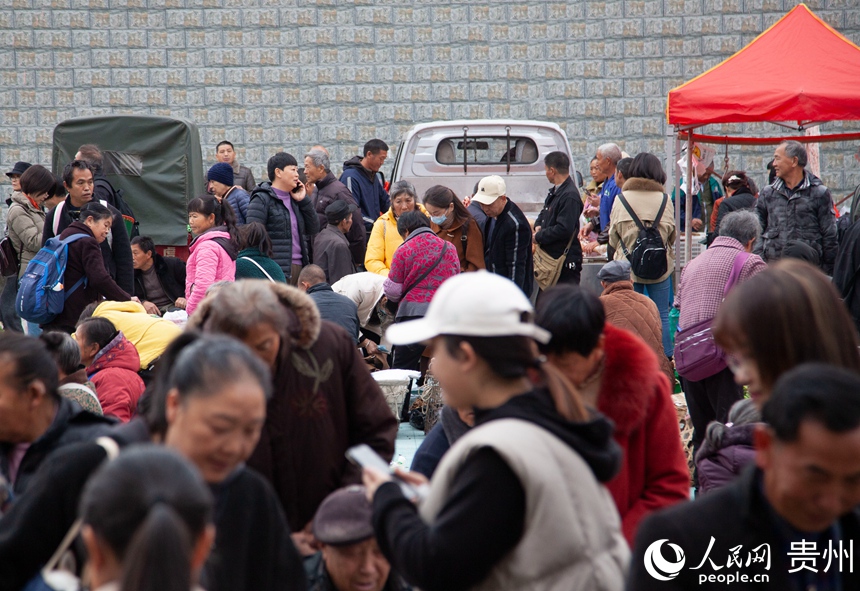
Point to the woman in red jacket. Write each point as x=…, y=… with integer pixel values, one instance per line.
x=112, y=364
x=85, y=260
x=616, y=372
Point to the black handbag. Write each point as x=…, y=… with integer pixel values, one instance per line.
x=8, y=258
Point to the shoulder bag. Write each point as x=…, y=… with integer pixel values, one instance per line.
x=548, y=269
x=259, y=266
x=697, y=356
x=393, y=306
x=8, y=257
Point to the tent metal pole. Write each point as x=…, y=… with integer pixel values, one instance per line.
x=688, y=217
x=672, y=147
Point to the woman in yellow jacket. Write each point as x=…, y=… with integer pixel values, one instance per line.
x=384, y=238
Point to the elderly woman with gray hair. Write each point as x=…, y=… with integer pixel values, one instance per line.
x=329, y=190
x=384, y=238
x=704, y=283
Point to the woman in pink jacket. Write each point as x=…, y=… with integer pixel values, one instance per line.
x=213, y=251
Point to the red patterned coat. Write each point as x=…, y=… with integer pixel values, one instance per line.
x=409, y=281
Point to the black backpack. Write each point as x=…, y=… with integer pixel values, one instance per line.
x=648, y=259
x=132, y=225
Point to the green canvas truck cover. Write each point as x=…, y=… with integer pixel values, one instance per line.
x=155, y=161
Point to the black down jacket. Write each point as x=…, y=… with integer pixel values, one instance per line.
x=265, y=207
x=805, y=215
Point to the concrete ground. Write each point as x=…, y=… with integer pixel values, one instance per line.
x=406, y=444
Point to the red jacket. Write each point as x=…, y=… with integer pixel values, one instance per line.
x=114, y=374
x=635, y=394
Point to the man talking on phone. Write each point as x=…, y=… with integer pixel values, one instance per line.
x=282, y=205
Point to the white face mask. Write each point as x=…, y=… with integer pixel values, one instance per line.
x=438, y=219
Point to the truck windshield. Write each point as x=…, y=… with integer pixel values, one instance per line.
x=486, y=150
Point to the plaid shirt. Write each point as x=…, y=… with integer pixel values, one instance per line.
x=704, y=279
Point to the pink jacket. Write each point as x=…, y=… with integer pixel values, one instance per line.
x=209, y=263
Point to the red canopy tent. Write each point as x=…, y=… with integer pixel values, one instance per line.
x=798, y=70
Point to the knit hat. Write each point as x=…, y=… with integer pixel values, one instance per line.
x=338, y=211
x=614, y=271
x=344, y=517
x=222, y=173
x=19, y=168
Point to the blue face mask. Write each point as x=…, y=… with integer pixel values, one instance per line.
x=438, y=219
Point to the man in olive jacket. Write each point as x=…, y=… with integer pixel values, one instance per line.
x=283, y=207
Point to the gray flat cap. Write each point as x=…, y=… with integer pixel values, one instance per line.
x=614, y=271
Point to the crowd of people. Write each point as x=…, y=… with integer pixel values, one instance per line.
x=182, y=424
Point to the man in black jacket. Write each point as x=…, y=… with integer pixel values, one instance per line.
x=797, y=206
x=557, y=225
x=791, y=518
x=159, y=282
x=507, y=234
x=329, y=189
x=283, y=207
x=333, y=307
x=116, y=250
x=34, y=419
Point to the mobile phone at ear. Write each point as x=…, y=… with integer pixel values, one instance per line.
x=298, y=187
x=364, y=457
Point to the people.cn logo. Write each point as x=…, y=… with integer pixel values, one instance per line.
x=660, y=568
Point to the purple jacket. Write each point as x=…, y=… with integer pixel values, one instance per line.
x=718, y=466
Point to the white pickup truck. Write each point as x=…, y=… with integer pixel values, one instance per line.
x=458, y=154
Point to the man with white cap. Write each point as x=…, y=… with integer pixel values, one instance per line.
x=507, y=234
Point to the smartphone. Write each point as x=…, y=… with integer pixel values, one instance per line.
x=298, y=187
x=364, y=457
x=383, y=349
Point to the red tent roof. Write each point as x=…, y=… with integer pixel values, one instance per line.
x=800, y=69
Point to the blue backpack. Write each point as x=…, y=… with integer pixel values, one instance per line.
x=41, y=293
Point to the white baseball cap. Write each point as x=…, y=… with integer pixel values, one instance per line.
x=489, y=189
x=479, y=304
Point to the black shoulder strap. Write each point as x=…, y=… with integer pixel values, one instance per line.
x=428, y=270
x=636, y=219
x=662, y=209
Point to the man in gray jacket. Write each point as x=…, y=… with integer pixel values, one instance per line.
x=331, y=248
x=796, y=207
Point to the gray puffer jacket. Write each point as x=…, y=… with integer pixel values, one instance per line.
x=805, y=215
x=266, y=208
x=24, y=225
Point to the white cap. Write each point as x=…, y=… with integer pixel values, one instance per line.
x=479, y=304
x=489, y=189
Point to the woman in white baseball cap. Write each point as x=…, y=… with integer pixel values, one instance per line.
x=517, y=502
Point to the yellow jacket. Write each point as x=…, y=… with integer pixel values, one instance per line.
x=384, y=240
x=150, y=335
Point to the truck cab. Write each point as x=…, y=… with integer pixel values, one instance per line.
x=460, y=153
